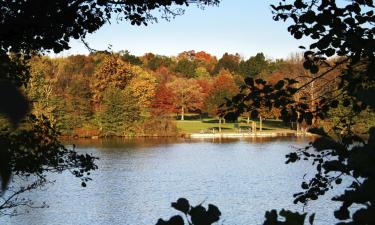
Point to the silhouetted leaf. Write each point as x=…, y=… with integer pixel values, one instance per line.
x=181, y=205
x=13, y=103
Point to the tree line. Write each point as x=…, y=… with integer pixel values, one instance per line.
x=120, y=94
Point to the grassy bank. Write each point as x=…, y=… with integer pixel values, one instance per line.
x=206, y=125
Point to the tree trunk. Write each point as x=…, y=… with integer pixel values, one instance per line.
x=298, y=127
x=260, y=123
x=182, y=113
x=219, y=124
x=248, y=120
x=254, y=126
x=313, y=105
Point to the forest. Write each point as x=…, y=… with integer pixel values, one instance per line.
x=329, y=89
x=119, y=94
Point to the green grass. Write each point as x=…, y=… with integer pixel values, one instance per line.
x=207, y=124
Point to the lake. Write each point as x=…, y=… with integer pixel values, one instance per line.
x=138, y=179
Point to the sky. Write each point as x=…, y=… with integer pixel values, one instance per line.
x=235, y=26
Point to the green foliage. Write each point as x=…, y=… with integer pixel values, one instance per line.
x=186, y=68
x=120, y=112
x=132, y=59
x=228, y=62
x=154, y=62
x=201, y=72
x=255, y=66
x=215, y=100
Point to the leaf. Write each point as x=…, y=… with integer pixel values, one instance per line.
x=175, y=220
x=279, y=84
x=311, y=219
x=181, y=205
x=198, y=214
x=293, y=218
x=5, y=170
x=249, y=81
x=367, y=96
x=325, y=143
x=319, y=131
x=13, y=103
x=213, y=213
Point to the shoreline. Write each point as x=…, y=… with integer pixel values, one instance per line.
x=250, y=135
x=280, y=133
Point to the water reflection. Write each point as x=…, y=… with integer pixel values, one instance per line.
x=139, y=178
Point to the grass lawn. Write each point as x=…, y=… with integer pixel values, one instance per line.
x=206, y=125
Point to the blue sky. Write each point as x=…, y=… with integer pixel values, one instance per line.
x=236, y=26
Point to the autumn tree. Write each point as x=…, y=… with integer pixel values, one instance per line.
x=201, y=72
x=164, y=74
x=254, y=67
x=112, y=72
x=40, y=88
x=223, y=88
x=119, y=112
x=76, y=110
x=206, y=60
x=228, y=62
x=186, y=68
x=127, y=57
x=143, y=87
x=154, y=62
x=187, y=95
x=162, y=104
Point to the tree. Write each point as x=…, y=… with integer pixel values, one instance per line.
x=229, y=62
x=40, y=88
x=223, y=88
x=186, y=68
x=206, y=60
x=143, y=87
x=187, y=95
x=162, y=104
x=112, y=72
x=132, y=59
x=120, y=112
x=201, y=72
x=255, y=66
x=77, y=109
x=154, y=62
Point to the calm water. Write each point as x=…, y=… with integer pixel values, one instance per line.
x=137, y=180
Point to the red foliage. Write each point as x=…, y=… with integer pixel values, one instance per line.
x=164, y=75
x=203, y=56
x=225, y=81
x=206, y=85
x=162, y=105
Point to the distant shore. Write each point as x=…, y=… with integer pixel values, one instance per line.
x=275, y=133
x=283, y=133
